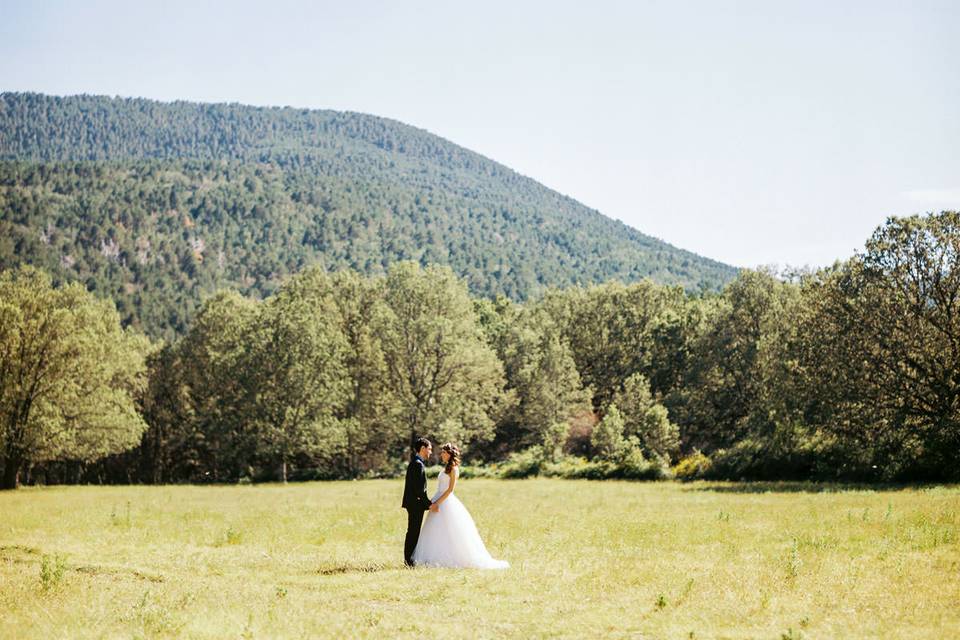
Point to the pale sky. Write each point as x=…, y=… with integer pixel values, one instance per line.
x=751, y=132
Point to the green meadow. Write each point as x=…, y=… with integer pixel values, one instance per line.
x=588, y=559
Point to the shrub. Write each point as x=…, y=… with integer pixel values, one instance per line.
x=554, y=437
x=790, y=453
x=607, y=438
x=595, y=470
x=694, y=466
x=633, y=466
x=572, y=468
x=51, y=571
x=523, y=464
x=564, y=467
x=479, y=471
x=646, y=419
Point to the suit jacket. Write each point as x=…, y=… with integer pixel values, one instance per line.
x=415, y=486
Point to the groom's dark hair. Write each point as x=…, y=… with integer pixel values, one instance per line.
x=420, y=443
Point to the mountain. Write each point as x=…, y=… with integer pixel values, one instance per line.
x=158, y=204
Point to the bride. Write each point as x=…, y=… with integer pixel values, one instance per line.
x=449, y=537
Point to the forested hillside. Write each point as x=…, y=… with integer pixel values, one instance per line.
x=157, y=205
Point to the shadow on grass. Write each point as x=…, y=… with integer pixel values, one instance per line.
x=119, y=572
x=21, y=554
x=338, y=568
x=784, y=486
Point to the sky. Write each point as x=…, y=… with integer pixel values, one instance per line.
x=755, y=133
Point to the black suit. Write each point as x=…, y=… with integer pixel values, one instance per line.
x=415, y=501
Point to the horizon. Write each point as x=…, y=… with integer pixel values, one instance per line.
x=742, y=147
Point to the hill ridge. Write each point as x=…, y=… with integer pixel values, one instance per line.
x=343, y=188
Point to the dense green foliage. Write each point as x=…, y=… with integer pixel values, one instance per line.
x=849, y=372
x=335, y=373
x=69, y=375
x=158, y=205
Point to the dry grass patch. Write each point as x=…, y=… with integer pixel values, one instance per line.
x=617, y=559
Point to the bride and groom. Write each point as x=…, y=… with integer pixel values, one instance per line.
x=449, y=537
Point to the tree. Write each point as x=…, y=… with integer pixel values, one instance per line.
x=69, y=374
x=443, y=377
x=220, y=390
x=542, y=374
x=881, y=347
x=607, y=438
x=614, y=329
x=301, y=382
x=167, y=451
x=646, y=419
x=736, y=360
x=368, y=431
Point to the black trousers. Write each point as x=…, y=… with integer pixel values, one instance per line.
x=414, y=520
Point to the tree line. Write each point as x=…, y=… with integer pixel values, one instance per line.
x=847, y=372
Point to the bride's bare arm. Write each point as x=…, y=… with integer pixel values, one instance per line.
x=453, y=481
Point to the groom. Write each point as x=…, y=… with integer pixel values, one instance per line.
x=415, y=499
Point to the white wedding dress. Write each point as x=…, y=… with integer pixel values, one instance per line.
x=449, y=537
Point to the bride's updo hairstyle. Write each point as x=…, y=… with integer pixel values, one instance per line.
x=454, y=456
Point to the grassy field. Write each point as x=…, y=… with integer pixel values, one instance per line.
x=612, y=559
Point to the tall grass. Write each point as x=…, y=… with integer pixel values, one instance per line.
x=613, y=559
